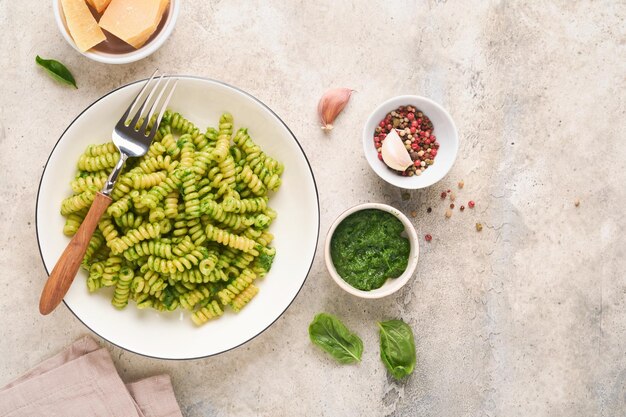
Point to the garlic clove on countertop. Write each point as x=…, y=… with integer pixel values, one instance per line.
x=394, y=152
x=331, y=104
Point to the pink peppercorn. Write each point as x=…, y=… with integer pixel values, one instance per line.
x=444, y=194
x=416, y=129
x=380, y=156
x=471, y=204
x=428, y=238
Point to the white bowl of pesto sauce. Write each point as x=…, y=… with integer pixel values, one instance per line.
x=371, y=250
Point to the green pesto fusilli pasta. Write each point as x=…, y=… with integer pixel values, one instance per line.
x=188, y=225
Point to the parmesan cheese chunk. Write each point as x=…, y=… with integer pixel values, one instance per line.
x=81, y=24
x=133, y=21
x=99, y=5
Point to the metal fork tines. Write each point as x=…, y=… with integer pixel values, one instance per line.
x=135, y=130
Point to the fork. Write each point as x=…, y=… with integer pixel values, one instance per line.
x=132, y=139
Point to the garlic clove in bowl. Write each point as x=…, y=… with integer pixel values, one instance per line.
x=394, y=152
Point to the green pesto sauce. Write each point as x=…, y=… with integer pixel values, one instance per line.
x=367, y=248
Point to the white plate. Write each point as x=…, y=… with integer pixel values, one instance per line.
x=172, y=335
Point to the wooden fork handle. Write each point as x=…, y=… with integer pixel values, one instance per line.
x=67, y=266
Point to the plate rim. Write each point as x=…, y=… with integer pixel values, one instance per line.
x=293, y=136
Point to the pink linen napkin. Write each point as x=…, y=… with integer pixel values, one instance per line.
x=82, y=381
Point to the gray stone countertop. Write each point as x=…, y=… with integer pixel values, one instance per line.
x=526, y=318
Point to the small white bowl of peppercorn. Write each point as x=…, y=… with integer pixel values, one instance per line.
x=371, y=250
x=428, y=141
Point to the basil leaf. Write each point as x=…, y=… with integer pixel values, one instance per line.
x=329, y=333
x=265, y=261
x=169, y=297
x=397, y=347
x=57, y=70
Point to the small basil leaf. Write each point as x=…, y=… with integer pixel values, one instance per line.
x=57, y=70
x=397, y=347
x=329, y=333
x=169, y=297
x=265, y=260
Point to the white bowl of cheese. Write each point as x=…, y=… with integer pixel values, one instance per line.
x=106, y=30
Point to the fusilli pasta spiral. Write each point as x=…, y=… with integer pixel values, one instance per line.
x=188, y=225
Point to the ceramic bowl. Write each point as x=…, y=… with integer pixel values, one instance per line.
x=391, y=285
x=164, y=31
x=444, y=129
